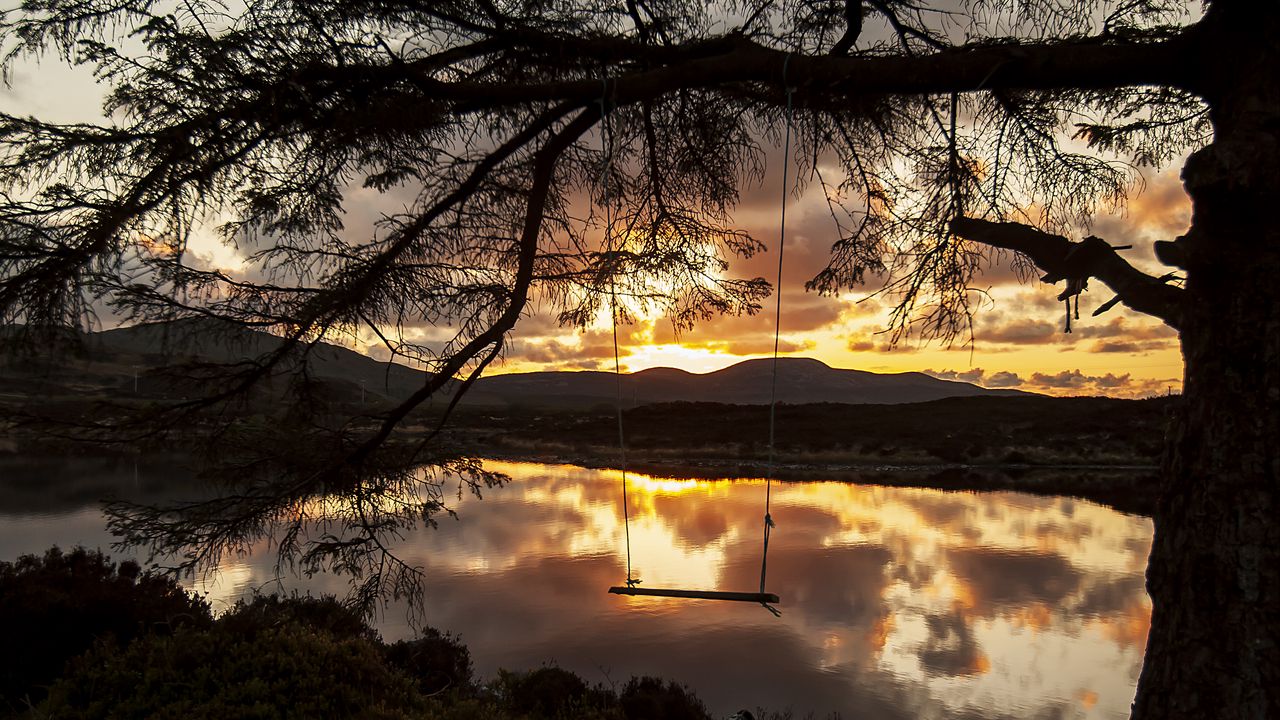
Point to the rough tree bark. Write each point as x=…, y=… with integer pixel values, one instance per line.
x=1214, y=572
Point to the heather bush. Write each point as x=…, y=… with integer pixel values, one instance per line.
x=54, y=607
x=98, y=640
x=437, y=661
x=285, y=672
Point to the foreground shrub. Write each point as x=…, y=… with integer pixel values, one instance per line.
x=548, y=692
x=126, y=644
x=649, y=697
x=283, y=672
x=326, y=615
x=53, y=608
x=551, y=693
x=436, y=660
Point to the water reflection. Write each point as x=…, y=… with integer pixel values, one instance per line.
x=899, y=603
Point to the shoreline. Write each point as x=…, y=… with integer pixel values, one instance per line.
x=1130, y=489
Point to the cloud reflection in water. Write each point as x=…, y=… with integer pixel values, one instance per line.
x=898, y=603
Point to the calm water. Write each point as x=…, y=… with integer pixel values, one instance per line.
x=897, y=603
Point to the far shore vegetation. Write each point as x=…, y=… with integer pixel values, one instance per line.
x=1102, y=449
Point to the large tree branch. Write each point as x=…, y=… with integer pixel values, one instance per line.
x=1082, y=65
x=1062, y=259
x=639, y=71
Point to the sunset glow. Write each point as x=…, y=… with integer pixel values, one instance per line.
x=1018, y=329
x=1018, y=333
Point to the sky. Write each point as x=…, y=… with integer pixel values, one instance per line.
x=1018, y=337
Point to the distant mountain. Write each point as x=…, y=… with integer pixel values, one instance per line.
x=221, y=342
x=114, y=356
x=123, y=361
x=800, y=380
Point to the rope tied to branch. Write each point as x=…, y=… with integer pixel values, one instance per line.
x=769, y=525
x=606, y=152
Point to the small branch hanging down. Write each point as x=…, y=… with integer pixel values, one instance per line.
x=853, y=28
x=1076, y=262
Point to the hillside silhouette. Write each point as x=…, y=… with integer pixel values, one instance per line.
x=825, y=415
x=106, y=363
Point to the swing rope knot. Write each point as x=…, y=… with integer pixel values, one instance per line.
x=768, y=520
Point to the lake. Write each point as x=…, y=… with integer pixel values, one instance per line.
x=896, y=602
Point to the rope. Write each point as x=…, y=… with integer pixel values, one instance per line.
x=622, y=441
x=777, y=333
x=606, y=150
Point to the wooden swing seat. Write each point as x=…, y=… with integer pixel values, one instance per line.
x=763, y=598
x=697, y=594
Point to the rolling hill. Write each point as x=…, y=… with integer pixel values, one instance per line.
x=108, y=361
x=800, y=380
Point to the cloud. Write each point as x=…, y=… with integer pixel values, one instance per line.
x=539, y=324
x=869, y=338
x=1125, y=328
x=586, y=350
x=1118, y=347
x=1068, y=382
x=1074, y=379
x=1021, y=323
x=979, y=376
x=1003, y=379
x=1066, y=379
x=1161, y=212
x=970, y=376
x=1002, y=267
x=751, y=346
x=1019, y=332
x=802, y=314
x=1109, y=384
x=1111, y=381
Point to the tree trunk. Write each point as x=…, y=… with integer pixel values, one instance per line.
x=1214, y=572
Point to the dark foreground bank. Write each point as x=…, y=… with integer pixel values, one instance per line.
x=89, y=638
x=984, y=431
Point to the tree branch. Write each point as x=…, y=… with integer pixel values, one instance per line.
x=1062, y=259
x=853, y=28
x=543, y=173
x=1081, y=65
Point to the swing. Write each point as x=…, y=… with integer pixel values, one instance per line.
x=766, y=599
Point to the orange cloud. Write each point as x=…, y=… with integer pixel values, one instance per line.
x=1019, y=332
x=1076, y=380
x=1071, y=382
x=1161, y=212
